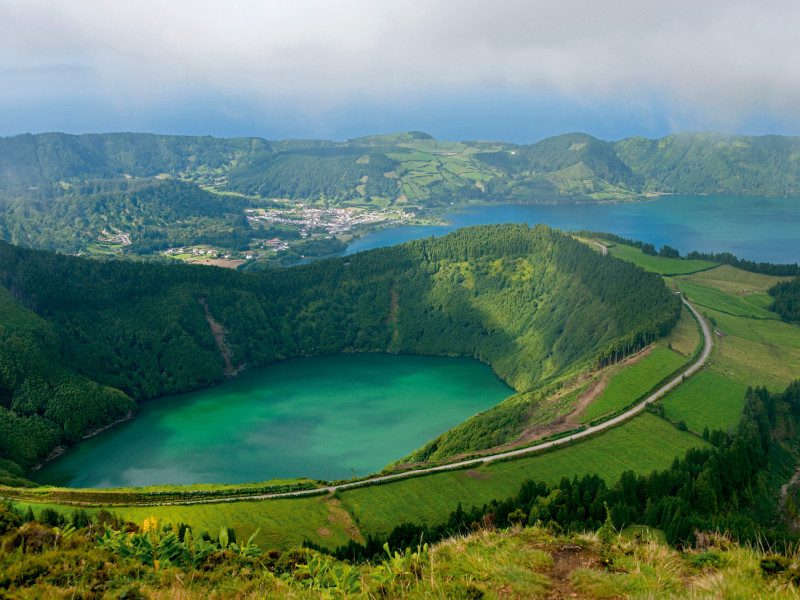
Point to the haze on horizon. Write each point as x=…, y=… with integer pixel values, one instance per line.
x=512, y=70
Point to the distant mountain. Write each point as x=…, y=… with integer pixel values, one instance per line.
x=715, y=163
x=61, y=192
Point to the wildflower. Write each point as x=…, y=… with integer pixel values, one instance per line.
x=150, y=525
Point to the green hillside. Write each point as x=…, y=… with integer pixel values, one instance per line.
x=534, y=303
x=715, y=163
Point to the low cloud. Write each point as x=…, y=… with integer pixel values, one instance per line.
x=725, y=59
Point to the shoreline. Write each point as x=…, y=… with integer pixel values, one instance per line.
x=62, y=448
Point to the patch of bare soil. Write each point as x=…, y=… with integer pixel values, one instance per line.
x=392, y=318
x=324, y=532
x=478, y=475
x=339, y=516
x=566, y=559
x=218, y=332
x=230, y=264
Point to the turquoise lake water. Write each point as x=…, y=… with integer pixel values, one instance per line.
x=313, y=417
x=759, y=229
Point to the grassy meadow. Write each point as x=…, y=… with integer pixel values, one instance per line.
x=752, y=345
x=429, y=499
x=658, y=264
x=737, y=282
x=629, y=382
x=707, y=399
x=755, y=351
x=709, y=297
x=685, y=337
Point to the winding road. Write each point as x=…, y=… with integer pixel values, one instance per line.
x=485, y=459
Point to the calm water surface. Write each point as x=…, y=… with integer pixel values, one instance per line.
x=301, y=417
x=760, y=229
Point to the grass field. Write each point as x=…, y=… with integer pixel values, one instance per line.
x=710, y=297
x=736, y=281
x=643, y=444
x=685, y=337
x=756, y=351
x=706, y=400
x=631, y=381
x=658, y=264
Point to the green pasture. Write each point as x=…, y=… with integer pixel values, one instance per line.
x=284, y=522
x=756, y=351
x=710, y=297
x=629, y=382
x=648, y=533
x=659, y=264
x=643, y=444
x=685, y=336
x=737, y=282
x=706, y=400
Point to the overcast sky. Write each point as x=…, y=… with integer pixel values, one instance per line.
x=513, y=70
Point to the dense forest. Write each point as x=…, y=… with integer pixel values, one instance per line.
x=155, y=214
x=36, y=165
x=787, y=300
x=715, y=163
x=534, y=303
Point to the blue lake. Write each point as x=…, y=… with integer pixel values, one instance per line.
x=759, y=229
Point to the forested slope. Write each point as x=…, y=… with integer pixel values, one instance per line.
x=34, y=165
x=532, y=302
x=715, y=163
x=787, y=300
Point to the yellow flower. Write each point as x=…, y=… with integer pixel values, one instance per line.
x=150, y=525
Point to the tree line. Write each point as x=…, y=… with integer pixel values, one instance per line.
x=725, y=258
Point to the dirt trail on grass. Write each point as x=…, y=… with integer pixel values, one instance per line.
x=571, y=420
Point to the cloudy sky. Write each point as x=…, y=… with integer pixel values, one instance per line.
x=505, y=69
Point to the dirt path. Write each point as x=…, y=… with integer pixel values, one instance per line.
x=603, y=249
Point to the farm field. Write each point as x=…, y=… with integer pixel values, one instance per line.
x=685, y=337
x=737, y=282
x=707, y=399
x=629, y=382
x=643, y=444
x=658, y=264
x=710, y=297
x=756, y=351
